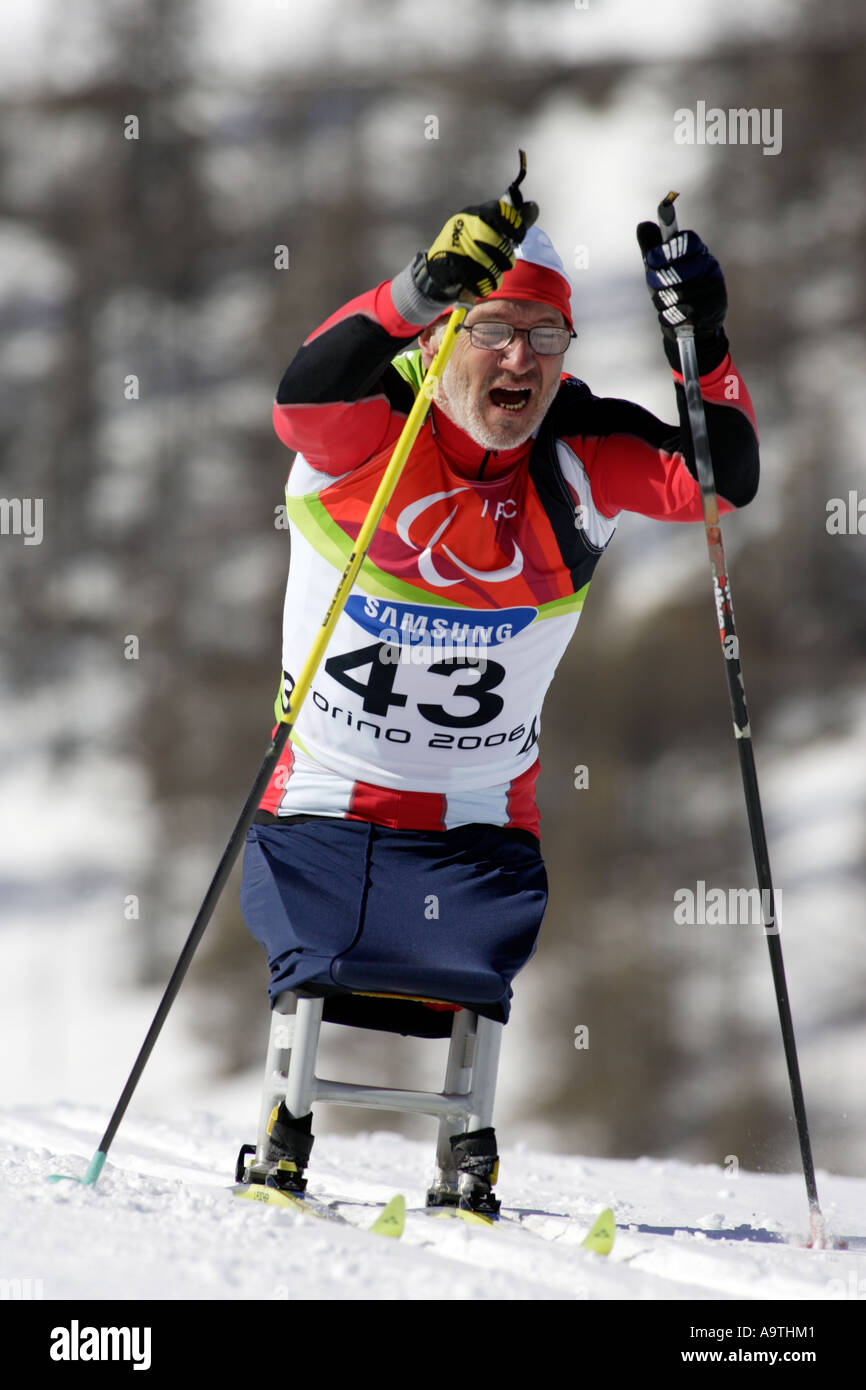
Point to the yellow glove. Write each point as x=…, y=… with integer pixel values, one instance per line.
x=474, y=250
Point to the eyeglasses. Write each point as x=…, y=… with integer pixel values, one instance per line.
x=544, y=339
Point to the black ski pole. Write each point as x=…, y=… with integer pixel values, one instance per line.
x=737, y=692
x=205, y=912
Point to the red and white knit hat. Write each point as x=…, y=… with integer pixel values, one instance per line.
x=538, y=274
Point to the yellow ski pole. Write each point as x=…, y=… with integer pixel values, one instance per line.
x=384, y=492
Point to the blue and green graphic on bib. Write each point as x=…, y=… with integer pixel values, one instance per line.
x=438, y=632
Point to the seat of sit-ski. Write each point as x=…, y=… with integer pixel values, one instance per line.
x=443, y=982
x=356, y=906
x=403, y=996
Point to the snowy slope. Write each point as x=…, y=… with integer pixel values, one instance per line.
x=161, y=1224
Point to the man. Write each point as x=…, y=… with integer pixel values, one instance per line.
x=396, y=850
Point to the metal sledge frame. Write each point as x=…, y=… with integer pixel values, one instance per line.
x=465, y=1103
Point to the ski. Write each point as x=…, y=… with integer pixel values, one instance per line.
x=598, y=1239
x=391, y=1220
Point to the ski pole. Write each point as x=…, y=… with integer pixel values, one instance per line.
x=384, y=492
x=685, y=334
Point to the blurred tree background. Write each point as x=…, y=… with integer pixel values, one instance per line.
x=152, y=170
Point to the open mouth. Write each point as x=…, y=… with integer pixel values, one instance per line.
x=507, y=398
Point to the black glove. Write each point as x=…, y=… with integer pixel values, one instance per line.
x=474, y=250
x=687, y=286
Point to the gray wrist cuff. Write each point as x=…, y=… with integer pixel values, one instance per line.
x=410, y=303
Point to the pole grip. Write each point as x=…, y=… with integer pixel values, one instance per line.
x=667, y=216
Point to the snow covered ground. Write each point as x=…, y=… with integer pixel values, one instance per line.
x=721, y=1250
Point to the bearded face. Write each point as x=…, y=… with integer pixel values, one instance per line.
x=499, y=397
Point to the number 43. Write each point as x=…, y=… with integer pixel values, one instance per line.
x=379, y=695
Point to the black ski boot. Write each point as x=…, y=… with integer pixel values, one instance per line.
x=290, y=1142
x=477, y=1164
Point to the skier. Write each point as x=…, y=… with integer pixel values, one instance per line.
x=398, y=840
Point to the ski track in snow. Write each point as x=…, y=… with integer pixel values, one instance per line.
x=162, y=1224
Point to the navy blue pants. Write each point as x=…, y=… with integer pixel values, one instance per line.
x=450, y=915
